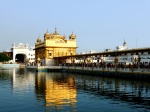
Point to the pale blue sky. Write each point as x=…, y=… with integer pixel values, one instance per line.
x=98, y=24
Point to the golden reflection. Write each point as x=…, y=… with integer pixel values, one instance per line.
x=59, y=90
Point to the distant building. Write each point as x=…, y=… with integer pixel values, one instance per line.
x=8, y=53
x=108, y=50
x=92, y=51
x=54, y=45
x=124, y=47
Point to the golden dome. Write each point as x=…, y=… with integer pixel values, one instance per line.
x=38, y=40
x=72, y=36
x=47, y=33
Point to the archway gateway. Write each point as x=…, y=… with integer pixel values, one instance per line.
x=20, y=58
x=22, y=53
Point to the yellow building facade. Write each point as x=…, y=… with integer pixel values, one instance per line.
x=54, y=45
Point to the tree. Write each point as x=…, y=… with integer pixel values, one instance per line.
x=4, y=57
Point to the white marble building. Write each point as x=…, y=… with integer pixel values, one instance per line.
x=25, y=52
x=124, y=47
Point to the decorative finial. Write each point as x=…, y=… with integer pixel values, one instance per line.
x=124, y=42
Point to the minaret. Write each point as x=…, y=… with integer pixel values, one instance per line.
x=124, y=44
x=55, y=30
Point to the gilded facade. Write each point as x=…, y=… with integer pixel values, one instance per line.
x=54, y=45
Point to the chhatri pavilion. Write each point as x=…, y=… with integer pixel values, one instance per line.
x=52, y=46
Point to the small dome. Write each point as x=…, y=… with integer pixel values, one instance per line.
x=38, y=40
x=72, y=36
x=47, y=33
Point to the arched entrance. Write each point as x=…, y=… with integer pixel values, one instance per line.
x=22, y=53
x=20, y=58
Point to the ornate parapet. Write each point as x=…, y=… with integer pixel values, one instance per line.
x=20, y=45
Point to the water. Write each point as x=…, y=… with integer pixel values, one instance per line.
x=24, y=91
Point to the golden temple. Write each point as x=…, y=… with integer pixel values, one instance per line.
x=54, y=45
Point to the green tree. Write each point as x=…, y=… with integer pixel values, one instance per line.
x=4, y=57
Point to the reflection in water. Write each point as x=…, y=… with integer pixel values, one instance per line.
x=58, y=90
x=132, y=92
x=61, y=89
x=21, y=81
x=71, y=92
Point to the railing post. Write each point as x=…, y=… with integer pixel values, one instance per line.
x=132, y=67
x=102, y=61
x=139, y=59
x=116, y=62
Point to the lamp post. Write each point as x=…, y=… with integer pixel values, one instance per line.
x=116, y=60
x=38, y=61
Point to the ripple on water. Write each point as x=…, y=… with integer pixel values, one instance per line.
x=71, y=92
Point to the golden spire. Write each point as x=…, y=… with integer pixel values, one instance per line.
x=56, y=33
x=55, y=29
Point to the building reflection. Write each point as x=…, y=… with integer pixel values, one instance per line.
x=129, y=91
x=57, y=89
x=21, y=81
x=60, y=90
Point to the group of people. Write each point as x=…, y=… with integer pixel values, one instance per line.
x=109, y=65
